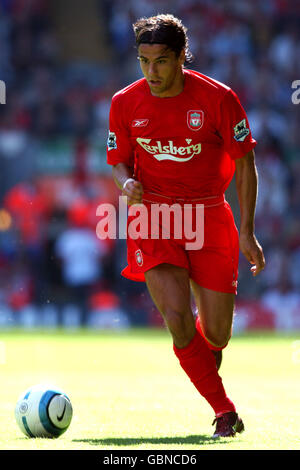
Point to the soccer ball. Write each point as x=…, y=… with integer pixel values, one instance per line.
x=43, y=411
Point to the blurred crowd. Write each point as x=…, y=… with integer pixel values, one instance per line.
x=49, y=253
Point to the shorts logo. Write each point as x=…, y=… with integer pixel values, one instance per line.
x=139, y=257
x=241, y=131
x=140, y=122
x=111, y=141
x=195, y=119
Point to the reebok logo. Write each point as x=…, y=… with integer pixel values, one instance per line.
x=140, y=122
x=170, y=151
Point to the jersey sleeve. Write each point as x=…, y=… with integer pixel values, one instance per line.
x=119, y=148
x=234, y=127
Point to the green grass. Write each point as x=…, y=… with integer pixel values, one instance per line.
x=129, y=392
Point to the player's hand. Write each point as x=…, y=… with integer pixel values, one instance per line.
x=252, y=250
x=134, y=192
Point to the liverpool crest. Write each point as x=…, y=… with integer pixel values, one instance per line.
x=195, y=119
x=139, y=257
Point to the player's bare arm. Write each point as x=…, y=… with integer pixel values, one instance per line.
x=246, y=184
x=123, y=177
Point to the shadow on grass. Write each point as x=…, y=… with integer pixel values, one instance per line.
x=132, y=441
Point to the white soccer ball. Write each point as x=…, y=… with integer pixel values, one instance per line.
x=43, y=411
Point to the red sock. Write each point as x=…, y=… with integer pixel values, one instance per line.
x=210, y=346
x=199, y=364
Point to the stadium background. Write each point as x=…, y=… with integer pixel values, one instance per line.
x=61, y=62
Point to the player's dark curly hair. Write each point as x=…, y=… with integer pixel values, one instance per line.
x=163, y=29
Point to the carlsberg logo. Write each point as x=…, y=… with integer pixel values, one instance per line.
x=170, y=151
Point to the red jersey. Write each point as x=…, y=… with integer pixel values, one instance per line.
x=182, y=146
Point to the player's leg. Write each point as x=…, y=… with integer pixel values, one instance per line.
x=214, y=273
x=214, y=322
x=169, y=287
x=215, y=315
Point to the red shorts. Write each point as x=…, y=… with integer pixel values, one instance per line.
x=213, y=266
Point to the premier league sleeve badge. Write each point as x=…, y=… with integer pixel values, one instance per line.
x=241, y=131
x=111, y=141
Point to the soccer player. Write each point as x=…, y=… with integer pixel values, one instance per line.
x=177, y=136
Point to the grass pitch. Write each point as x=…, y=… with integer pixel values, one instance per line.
x=129, y=392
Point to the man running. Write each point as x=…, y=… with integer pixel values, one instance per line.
x=177, y=136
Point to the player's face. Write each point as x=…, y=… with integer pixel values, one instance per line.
x=162, y=69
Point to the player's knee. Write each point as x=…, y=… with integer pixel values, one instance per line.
x=180, y=328
x=217, y=337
